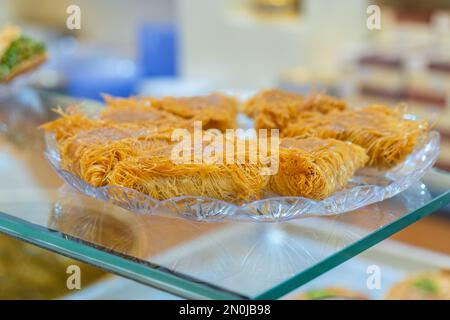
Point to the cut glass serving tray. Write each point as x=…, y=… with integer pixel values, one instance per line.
x=366, y=187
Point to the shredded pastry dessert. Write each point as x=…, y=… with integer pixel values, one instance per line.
x=315, y=168
x=93, y=154
x=70, y=122
x=130, y=145
x=384, y=132
x=157, y=175
x=132, y=142
x=160, y=178
x=276, y=109
x=215, y=110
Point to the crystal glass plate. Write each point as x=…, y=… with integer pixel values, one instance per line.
x=367, y=187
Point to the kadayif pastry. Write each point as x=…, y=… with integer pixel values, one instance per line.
x=276, y=108
x=384, y=132
x=160, y=177
x=315, y=168
x=215, y=110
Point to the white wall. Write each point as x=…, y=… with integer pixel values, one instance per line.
x=236, y=52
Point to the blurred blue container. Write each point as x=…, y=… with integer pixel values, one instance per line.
x=90, y=77
x=157, y=50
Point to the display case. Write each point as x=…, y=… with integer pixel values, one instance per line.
x=186, y=258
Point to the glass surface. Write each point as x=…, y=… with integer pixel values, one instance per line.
x=229, y=259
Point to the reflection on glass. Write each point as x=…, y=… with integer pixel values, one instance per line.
x=247, y=257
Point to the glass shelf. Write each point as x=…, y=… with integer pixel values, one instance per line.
x=222, y=260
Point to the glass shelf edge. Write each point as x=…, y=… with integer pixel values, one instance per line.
x=36, y=235
x=354, y=249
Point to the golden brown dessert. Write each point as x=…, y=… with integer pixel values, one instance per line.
x=159, y=176
x=133, y=120
x=137, y=154
x=215, y=110
x=135, y=114
x=18, y=53
x=90, y=147
x=424, y=286
x=139, y=114
x=384, y=132
x=71, y=121
x=276, y=109
x=331, y=293
x=130, y=144
x=315, y=168
x=93, y=154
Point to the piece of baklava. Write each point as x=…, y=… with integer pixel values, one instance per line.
x=164, y=176
x=315, y=168
x=215, y=111
x=18, y=53
x=71, y=121
x=276, y=108
x=93, y=154
x=384, y=132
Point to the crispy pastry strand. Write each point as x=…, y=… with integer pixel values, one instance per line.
x=315, y=168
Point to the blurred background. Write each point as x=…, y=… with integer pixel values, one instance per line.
x=179, y=47
x=187, y=47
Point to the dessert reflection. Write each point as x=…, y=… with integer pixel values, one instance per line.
x=120, y=230
x=230, y=253
x=99, y=223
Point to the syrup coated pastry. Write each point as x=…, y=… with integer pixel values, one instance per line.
x=384, y=132
x=315, y=168
x=276, y=109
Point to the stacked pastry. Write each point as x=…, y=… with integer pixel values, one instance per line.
x=325, y=142
x=131, y=144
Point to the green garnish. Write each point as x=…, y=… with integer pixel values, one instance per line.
x=319, y=294
x=426, y=285
x=4, y=71
x=19, y=51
